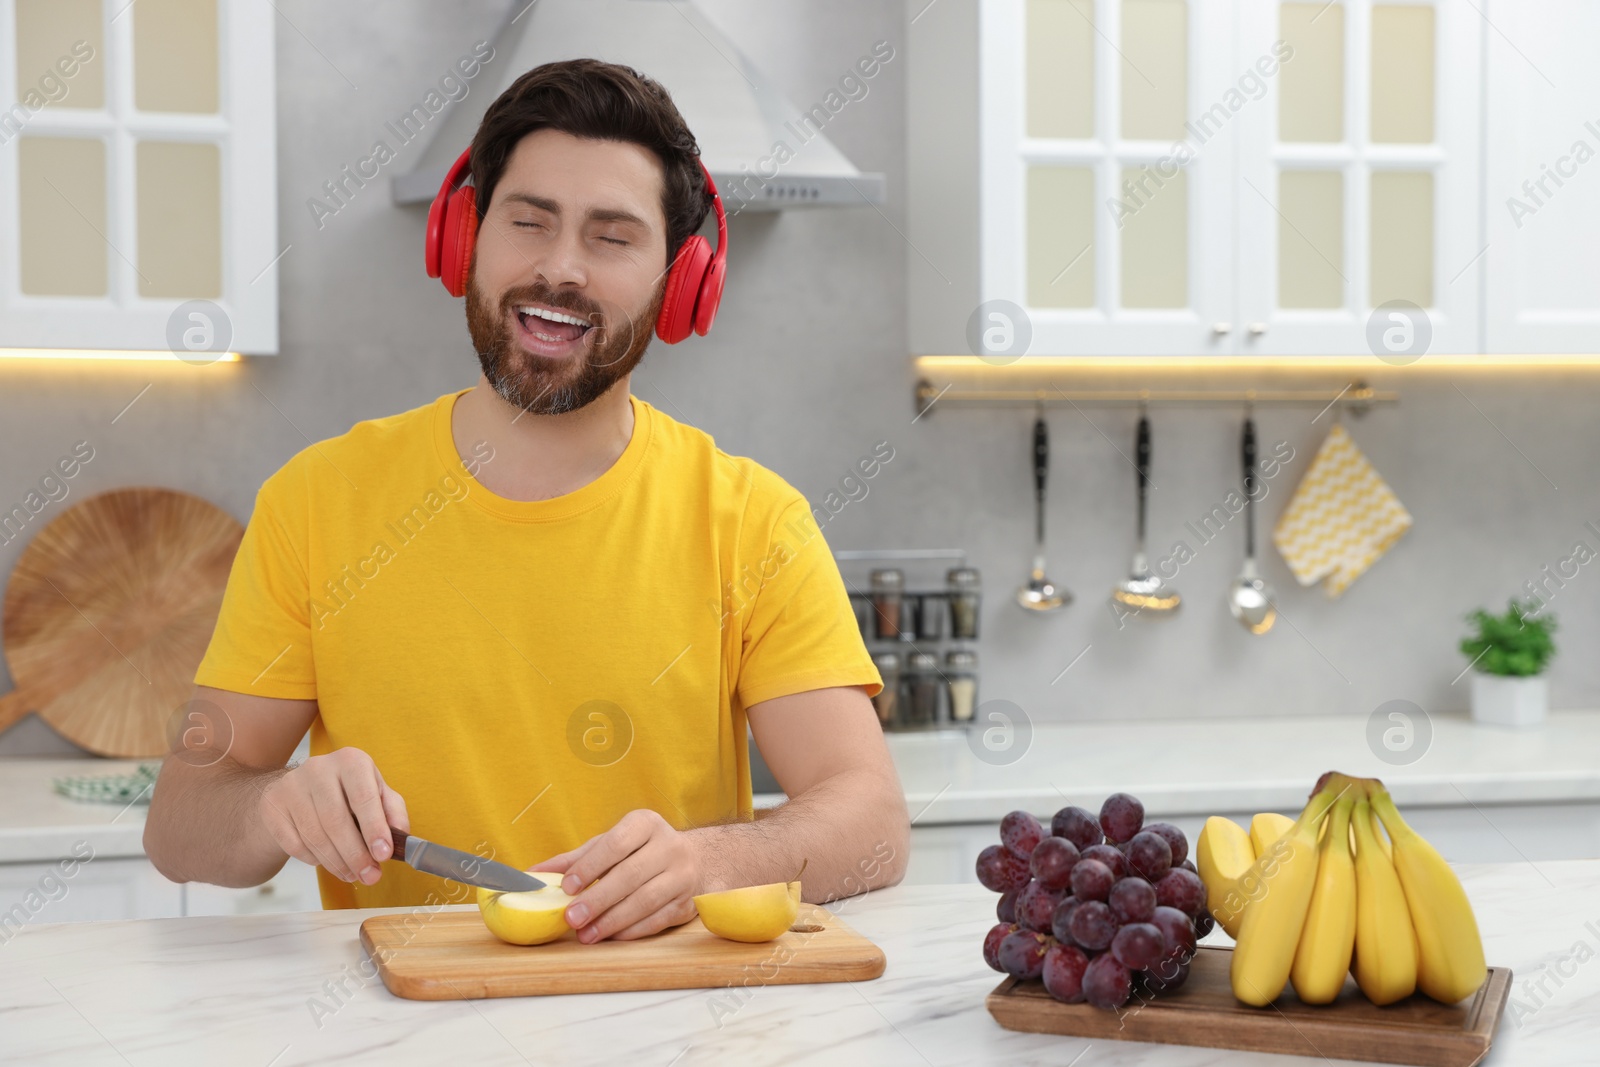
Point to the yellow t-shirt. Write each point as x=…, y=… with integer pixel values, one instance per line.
x=524, y=673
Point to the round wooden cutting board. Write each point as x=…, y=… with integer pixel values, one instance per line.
x=108, y=614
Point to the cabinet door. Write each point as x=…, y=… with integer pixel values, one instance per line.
x=1359, y=179
x=95, y=890
x=138, y=205
x=1542, y=199
x=1105, y=214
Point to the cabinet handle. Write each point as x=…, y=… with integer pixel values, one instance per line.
x=1257, y=329
x=1220, y=329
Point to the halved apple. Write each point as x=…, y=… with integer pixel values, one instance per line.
x=530, y=918
x=754, y=913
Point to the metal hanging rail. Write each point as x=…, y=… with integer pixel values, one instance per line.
x=1356, y=398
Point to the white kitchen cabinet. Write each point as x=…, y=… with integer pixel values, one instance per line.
x=97, y=889
x=1212, y=177
x=292, y=889
x=1543, y=181
x=138, y=204
x=1500, y=833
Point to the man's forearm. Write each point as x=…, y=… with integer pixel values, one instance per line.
x=852, y=832
x=204, y=825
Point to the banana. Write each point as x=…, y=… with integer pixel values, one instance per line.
x=1322, y=960
x=1267, y=828
x=1222, y=854
x=1386, y=943
x=1279, y=886
x=1450, y=962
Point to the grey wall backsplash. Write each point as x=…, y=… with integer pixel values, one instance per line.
x=806, y=371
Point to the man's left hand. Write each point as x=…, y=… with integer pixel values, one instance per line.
x=652, y=873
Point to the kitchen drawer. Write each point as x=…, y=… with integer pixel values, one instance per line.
x=292, y=889
x=96, y=889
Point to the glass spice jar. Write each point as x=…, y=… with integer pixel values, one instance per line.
x=961, y=681
x=922, y=708
x=911, y=608
x=964, y=596
x=930, y=616
x=862, y=606
x=887, y=586
x=887, y=702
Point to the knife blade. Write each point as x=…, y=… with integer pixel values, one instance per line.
x=460, y=866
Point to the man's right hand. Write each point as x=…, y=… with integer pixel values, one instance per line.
x=335, y=812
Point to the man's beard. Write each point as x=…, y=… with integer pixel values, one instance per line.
x=542, y=386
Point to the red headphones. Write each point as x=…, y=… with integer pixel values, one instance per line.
x=694, y=285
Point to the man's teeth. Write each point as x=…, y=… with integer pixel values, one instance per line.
x=553, y=316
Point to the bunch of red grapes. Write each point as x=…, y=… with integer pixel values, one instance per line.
x=1097, y=906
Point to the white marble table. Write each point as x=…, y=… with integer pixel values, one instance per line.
x=241, y=991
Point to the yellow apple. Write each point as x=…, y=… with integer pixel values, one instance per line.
x=530, y=918
x=754, y=913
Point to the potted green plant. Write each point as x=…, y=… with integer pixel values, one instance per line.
x=1508, y=654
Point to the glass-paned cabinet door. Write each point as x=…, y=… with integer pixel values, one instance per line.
x=137, y=163
x=1359, y=180
x=1105, y=201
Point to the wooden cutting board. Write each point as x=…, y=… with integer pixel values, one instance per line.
x=108, y=613
x=450, y=955
x=1204, y=1012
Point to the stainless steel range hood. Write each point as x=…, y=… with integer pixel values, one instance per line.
x=736, y=115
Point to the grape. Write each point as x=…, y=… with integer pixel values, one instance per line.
x=1093, y=926
x=1078, y=826
x=1189, y=866
x=1091, y=880
x=999, y=870
x=1169, y=973
x=1204, y=924
x=1036, y=905
x=1106, y=983
x=1174, y=838
x=1132, y=900
x=1176, y=927
x=1063, y=973
x=991, y=943
x=1108, y=855
x=1121, y=816
x=1019, y=832
x=1006, y=908
x=1180, y=889
x=1150, y=855
x=1061, y=921
x=1139, y=945
x=1021, y=953
x=1052, y=861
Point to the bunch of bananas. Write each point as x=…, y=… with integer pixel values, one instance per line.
x=1346, y=888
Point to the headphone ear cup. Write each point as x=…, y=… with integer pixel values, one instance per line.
x=683, y=290
x=705, y=308
x=458, y=237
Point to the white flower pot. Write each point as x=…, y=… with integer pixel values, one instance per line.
x=1509, y=701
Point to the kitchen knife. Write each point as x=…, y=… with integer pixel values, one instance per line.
x=460, y=866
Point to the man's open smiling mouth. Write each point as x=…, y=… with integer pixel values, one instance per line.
x=549, y=331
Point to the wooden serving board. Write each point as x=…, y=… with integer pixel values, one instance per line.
x=1204, y=1012
x=450, y=955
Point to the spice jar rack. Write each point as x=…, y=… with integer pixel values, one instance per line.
x=918, y=612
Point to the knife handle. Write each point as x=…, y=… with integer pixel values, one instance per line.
x=398, y=837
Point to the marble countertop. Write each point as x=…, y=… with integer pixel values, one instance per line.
x=38, y=824
x=242, y=990
x=1206, y=767
x=1177, y=767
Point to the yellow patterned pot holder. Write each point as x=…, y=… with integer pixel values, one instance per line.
x=1341, y=519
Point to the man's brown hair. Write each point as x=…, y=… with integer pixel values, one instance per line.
x=599, y=101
